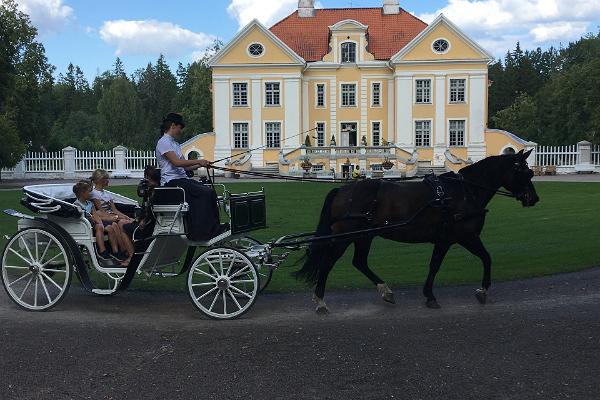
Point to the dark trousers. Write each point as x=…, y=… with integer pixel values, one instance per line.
x=202, y=220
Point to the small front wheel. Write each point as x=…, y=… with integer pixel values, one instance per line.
x=223, y=283
x=36, y=269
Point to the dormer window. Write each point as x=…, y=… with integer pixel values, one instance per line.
x=349, y=52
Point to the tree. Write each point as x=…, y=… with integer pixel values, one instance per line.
x=520, y=118
x=121, y=116
x=12, y=149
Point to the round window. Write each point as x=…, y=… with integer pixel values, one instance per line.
x=256, y=49
x=441, y=46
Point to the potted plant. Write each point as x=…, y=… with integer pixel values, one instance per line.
x=332, y=143
x=364, y=140
x=306, y=164
x=387, y=163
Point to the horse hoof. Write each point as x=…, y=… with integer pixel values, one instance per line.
x=322, y=310
x=389, y=298
x=432, y=303
x=481, y=296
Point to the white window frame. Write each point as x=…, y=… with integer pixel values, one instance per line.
x=265, y=93
x=440, y=38
x=324, y=95
x=373, y=105
x=266, y=141
x=356, y=94
x=380, y=132
x=414, y=128
x=450, y=79
x=324, y=133
x=248, y=99
x=248, y=123
x=431, y=94
x=466, y=130
x=358, y=135
x=253, y=56
x=356, y=50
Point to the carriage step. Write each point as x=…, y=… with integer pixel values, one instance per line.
x=103, y=292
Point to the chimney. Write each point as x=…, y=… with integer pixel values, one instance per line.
x=391, y=7
x=306, y=8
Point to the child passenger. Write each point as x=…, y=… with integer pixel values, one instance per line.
x=104, y=203
x=82, y=190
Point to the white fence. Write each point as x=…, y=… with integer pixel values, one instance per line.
x=73, y=163
x=596, y=154
x=582, y=157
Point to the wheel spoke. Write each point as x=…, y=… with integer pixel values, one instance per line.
x=203, y=284
x=20, y=256
x=45, y=289
x=224, y=303
x=35, y=293
x=200, y=272
x=240, y=272
x=214, y=301
x=56, y=271
x=234, y=299
x=15, y=267
x=27, y=248
x=240, y=292
x=51, y=281
x=52, y=259
x=37, y=252
x=231, y=263
x=25, y=289
x=220, y=262
x=17, y=280
x=212, y=267
x=45, y=250
x=206, y=294
x=244, y=281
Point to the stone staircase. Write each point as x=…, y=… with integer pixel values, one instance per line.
x=422, y=170
x=268, y=169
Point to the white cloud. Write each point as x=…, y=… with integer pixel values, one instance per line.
x=499, y=24
x=267, y=12
x=151, y=37
x=48, y=16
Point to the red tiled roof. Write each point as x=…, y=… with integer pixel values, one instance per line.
x=387, y=34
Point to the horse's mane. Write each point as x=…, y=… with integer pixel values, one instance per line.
x=488, y=164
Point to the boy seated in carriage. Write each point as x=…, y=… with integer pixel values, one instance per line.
x=82, y=190
x=152, y=180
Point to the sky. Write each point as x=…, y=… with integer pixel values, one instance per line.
x=92, y=34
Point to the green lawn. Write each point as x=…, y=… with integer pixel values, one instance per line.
x=561, y=233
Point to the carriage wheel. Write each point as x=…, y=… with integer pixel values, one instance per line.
x=245, y=243
x=36, y=269
x=223, y=283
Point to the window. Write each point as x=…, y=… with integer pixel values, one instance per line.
x=348, y=52
x=240, y=135
x=440, y=46
x=423, y=91
x=376, y=94
x=457, y=132
x=422, y=133
x=457, y=90
x=320, y=95
x=273, y=132
x=240, y=94
x=376, y=133
x=272, y=94
x=256, y=49
x=348, y=95
x=320, y=134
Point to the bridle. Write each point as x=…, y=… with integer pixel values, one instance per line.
x=506, y=193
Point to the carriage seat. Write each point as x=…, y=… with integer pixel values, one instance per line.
x=169, y=207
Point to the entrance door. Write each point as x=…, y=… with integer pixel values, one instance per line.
x=349, y=134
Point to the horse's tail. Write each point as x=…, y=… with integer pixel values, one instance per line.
x=314, y=254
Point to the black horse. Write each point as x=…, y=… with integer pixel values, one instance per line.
x=443, y=210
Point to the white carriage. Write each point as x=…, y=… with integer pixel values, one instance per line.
x=57, y=242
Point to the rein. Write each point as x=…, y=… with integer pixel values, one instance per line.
x=500, y=192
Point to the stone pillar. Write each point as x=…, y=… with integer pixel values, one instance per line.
x=120, y=152
x=19, y=172
x=69, y=162
x=531, y=160
x=476, y=124
x=584, y=148
x=439, y=143
x=221, y=105
x=256, y=138
x=404, y=137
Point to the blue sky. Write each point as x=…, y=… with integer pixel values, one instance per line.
x=92, y=33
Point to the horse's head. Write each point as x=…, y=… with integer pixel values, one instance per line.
x=517, y=179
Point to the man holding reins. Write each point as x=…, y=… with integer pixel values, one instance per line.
x=203, y=214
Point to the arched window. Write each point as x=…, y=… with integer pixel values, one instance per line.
x=508, y=150
x=348, y=52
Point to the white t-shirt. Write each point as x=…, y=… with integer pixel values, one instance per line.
x=104, y=197
x=168, y=171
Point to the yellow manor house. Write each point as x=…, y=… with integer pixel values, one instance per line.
x=373, y=88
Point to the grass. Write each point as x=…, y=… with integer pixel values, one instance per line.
x=560, y=234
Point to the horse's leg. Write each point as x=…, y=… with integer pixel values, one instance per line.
x=439, y=252
x=360, y=261
x=329, y=259
x=476, y=247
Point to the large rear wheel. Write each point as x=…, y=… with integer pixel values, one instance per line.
x=223, y=283
x=36, y=269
